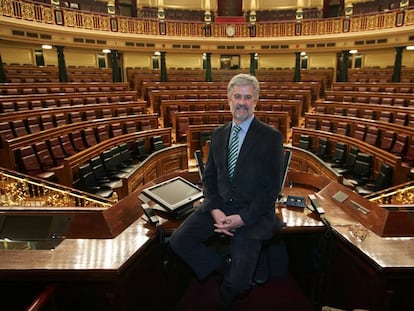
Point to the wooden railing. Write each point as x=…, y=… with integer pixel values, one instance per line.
x=75, y=19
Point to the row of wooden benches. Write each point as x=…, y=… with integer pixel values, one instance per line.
x=60, y=87
x=10, y=103
x=400, y=171
x=13, y=125
x=393, y=114
x=146, y=86
x=156, y=97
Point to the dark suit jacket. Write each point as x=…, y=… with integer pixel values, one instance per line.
x=255, y=186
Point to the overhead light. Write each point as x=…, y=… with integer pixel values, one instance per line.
x=353, y=51
x=106, y=51
x=410, y=47
x=302, y=53
x=46, y=47
x=157, y=53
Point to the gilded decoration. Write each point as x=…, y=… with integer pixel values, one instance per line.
x=389, y=20
x=6, y=7
x=104, y=23
x=123, y=26
x=70, y=19
x=409, y=18
x=28, y=11
x=48, y=16
x=87, y=21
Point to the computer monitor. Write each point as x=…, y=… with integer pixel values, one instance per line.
x=175, y=195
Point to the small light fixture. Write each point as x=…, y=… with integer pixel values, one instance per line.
x=106, y=51
x=46, y=47
x=353, y=51
x=302, y=53
x=410, y=47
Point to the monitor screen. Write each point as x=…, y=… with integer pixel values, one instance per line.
x=174, y=194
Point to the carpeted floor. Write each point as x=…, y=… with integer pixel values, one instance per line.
x=279, y=294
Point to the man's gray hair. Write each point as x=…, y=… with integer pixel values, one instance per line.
x=242, y=79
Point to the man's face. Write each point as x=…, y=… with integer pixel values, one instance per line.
x=242, y=103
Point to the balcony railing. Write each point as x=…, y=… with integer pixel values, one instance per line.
x=47, y=14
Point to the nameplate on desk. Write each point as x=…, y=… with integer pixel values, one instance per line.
x=340, y=196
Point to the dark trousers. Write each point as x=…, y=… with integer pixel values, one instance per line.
x=188, y=242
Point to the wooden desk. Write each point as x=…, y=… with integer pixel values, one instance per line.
x=126, y=272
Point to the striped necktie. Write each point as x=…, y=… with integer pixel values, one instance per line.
x=233, y=150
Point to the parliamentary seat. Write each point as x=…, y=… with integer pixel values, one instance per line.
x=387, y=140
x=400, y=145
x=28, y=163
x=33, y=124
x=360, y=132
x=56, y=150
x=372, y=135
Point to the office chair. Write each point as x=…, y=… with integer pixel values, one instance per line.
x=304, y=142
x=382, y=181
x=361, y=171
x=349, y=162
x=339, y=155
x=323, y=148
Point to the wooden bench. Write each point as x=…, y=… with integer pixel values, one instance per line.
x=169, y=107
x=277, y=119
x=354, y=122
x=157, y=96
x=376, y=110
x=71, y=164
x=384, y=98
x=60, y=87
x=400, y=172
x=9, y=146
x=373, y=87
x=10, y=103
x=114, y=109
x=315, y=87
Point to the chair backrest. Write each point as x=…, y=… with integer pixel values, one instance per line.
x=323, y=148
x=400, y=145
x=156, y=143
x=305, y=142
x=339, y=153
x=362, y=166
x=351, y=158
x=44, y=156
x=387, y=140
x=371, y=136
x=384, y=177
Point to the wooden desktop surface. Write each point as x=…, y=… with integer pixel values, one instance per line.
x=118, y=268
x=84, y=257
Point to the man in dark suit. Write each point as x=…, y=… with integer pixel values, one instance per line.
x=238, y=202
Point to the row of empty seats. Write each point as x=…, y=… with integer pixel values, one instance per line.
x=397, y=117
x=356, y=167
x=12, y=104
x=53, y=119
x=102, y=174
x=391, y=141
x=46, y=88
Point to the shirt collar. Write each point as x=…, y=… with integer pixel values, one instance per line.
x=245, y=125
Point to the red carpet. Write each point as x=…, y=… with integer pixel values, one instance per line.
x=281, y=294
